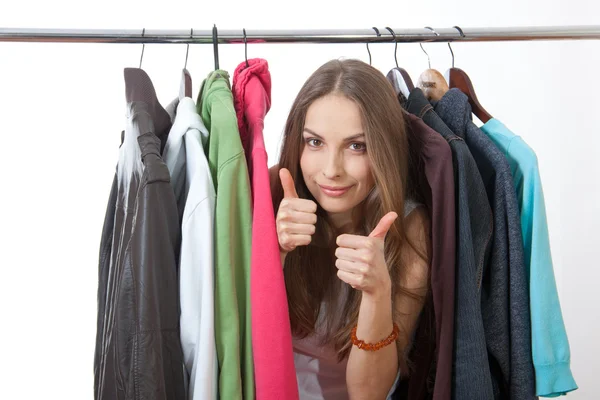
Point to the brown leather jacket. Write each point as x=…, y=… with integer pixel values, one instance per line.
x=138, y=351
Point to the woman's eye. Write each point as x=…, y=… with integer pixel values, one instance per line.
x=358, y=146
x=314, y=142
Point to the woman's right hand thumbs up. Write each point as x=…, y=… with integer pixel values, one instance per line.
x=296, y=217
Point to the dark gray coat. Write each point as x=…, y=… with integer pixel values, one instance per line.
x=504, y=286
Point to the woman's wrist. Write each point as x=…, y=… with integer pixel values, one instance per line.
x=375, y=316
x=383, y=293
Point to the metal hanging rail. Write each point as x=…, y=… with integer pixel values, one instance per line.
x=369, y=35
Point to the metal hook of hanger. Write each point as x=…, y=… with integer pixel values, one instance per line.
x=396, y=47
x=369, y=51
x=215, y=37
x=422, y=48
x=245, y=47
x=462, y=34
x=188, y=48
x=143, y=47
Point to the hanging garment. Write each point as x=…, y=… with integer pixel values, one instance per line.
x=195, y=195
x=434, y=157
x=139, y=352
x=550, y=345
x=443, y=245
x=505, y=295
x=473, y=225
x=232, y=236
x=471, y=374
x=275, y=376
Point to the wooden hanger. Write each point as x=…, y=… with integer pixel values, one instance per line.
x=460, y=80
x=457, y=78
x=431, y=81
x=433, y=84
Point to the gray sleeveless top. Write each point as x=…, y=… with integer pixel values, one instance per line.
x=319, y=374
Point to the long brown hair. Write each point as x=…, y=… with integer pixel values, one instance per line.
x=310, y=273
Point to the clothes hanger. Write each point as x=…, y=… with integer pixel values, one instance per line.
x=431, y=81
x=215, y=38
x=401, y=76
x=245, y=48
x=139, y=88
x=185, y=87
x=369, y=51
x=143, y=47
x=457, y=78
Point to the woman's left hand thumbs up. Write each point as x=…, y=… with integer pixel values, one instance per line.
x=360, y=259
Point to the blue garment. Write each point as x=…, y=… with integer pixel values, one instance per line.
x=550, y=345
x=505, y=295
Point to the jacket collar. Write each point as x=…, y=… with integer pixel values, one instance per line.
x=455, y=110
x=417, y=103
x=188, y=118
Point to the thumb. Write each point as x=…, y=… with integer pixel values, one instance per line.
x=289, y=190
x=384, y=225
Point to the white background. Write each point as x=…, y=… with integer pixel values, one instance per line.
x=62, y=109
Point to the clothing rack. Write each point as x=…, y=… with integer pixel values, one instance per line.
x=370, y=35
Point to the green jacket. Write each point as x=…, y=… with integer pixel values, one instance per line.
x=233, y=238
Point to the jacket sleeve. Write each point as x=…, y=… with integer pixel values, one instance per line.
x=551, y=352
x=234, y=241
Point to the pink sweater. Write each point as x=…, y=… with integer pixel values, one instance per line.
x=275, y=374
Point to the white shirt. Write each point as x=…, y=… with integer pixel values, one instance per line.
x=195, y=193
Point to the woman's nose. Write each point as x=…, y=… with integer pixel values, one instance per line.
x=333, y=167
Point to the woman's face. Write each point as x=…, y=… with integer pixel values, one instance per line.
x=334, y=161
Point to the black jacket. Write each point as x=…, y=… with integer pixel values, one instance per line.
x=138, y=350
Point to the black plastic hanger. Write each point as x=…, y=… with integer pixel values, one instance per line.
x=215, y=38
x=185, y=87
x=457, y=78
x=402, y=78
x=431, y=81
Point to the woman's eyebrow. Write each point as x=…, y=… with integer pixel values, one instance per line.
x=348, y=139
x=313, y=133
x=354, y=137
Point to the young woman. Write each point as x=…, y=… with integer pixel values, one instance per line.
x=354, y=242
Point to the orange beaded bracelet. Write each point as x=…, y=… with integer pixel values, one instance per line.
x=377, y=346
